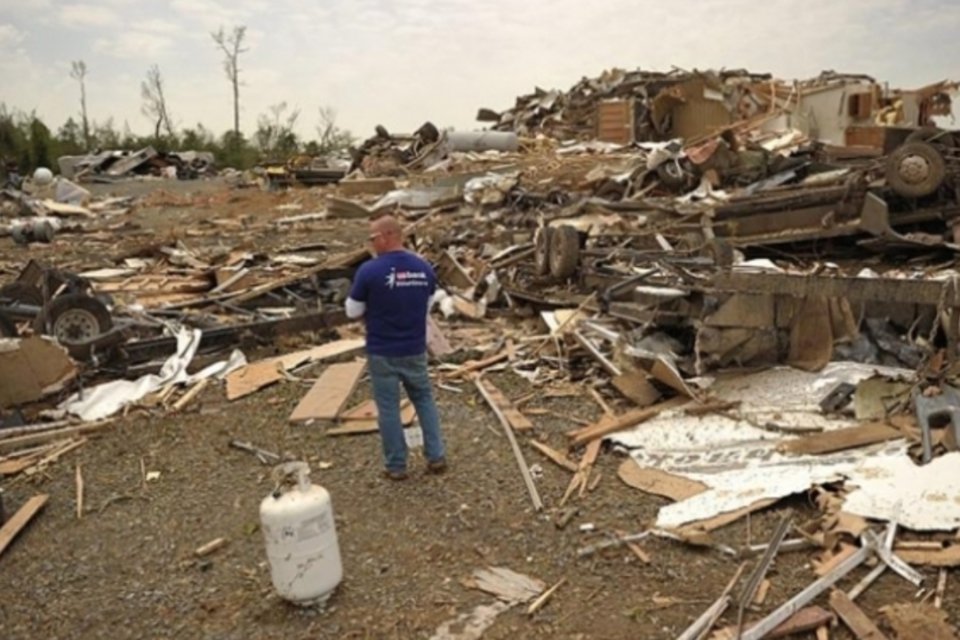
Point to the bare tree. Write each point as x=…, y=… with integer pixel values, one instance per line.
x=155, y=103
x=78, y=71
x=231, y=46
x=331, y=137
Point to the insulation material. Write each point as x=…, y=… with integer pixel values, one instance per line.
x=737, y=458
x=922, y=498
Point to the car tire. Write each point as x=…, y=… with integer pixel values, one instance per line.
x=541, y=250
x=915, y=170
x=74, y=319
x=564, y=252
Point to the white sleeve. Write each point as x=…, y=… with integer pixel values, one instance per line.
x=355, y=309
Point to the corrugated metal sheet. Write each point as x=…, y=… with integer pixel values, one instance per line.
x=615, y=121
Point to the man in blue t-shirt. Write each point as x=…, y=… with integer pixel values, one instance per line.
x=392, y=293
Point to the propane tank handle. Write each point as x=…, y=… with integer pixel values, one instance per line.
x=300, y=469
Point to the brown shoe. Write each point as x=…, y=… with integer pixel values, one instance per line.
x=394, y=475
x=437, y=466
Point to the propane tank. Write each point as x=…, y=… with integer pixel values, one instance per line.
x=301, y=540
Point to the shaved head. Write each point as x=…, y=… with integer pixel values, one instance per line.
x=386, y=234
x=387, y=225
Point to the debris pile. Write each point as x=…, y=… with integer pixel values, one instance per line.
x=756, y=305
x=109, y=166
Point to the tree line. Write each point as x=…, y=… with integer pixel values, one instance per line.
x=27, y=142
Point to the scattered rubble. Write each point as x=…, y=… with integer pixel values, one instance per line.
x=760, y=304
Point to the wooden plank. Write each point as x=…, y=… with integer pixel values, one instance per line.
x=841, y=439
x=635, y=387
x=722, y=520
x=330, y=392
x=477, y=365
x=258, y=375
x=517, y=453
x=658, y=482
x=831, y=560
x=517, y=420
x=806, y=619
x=853, y=616
x=626, y=421
x=555, y=456
x=20, y=519
x=948, y=556
x=367, y=411
x=355, y=427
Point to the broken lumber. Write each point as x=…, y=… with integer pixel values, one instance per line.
x=853, y=616
x=478, y=365
x=517, y=420
x=579, y=479
x=807, y=595
x=841, y=439
x=79, y=478
x=330, y=392
x=48, y=435
x=555, y=456
x=537, y=604
x=518, y=454
x=210, y=547
x=191, y=393
x=21, y=519
x=257, y=375
x=630, y=419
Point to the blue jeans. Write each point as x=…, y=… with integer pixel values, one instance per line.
x=386, y=375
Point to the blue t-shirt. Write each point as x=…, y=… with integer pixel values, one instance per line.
x=396, y=288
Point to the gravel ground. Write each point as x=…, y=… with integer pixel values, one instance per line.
x=127, y=568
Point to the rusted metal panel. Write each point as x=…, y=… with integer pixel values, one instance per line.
x=615, y=121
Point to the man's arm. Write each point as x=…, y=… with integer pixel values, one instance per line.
x=356, y=303
x=355, y=309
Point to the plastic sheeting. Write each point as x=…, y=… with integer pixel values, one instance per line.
x=107, y=399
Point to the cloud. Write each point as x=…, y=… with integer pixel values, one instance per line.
x=133, y=44
x=400, y=62
x=10, y=36
x=87, y=15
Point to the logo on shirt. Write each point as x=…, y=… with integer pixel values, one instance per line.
x=406, y=279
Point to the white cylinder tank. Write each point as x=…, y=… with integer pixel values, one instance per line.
x=301, y=539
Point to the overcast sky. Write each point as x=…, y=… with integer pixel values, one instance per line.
x=402, y=62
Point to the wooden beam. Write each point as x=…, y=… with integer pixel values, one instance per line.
x=633, y=418
x=841, y=439
x=517, y=453
x=330, y=392
x=853, y=616
x=517, y=420
x=20, y=519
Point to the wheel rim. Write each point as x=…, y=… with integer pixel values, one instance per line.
x=75, y=325
x=914, y=169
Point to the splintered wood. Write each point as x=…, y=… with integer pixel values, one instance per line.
x=856, y=620
x=517, y=420
x=330, y=392
x=257, y=375
x=606, y=425
x=20, y=519
x=506, y=584
x=517, y=452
